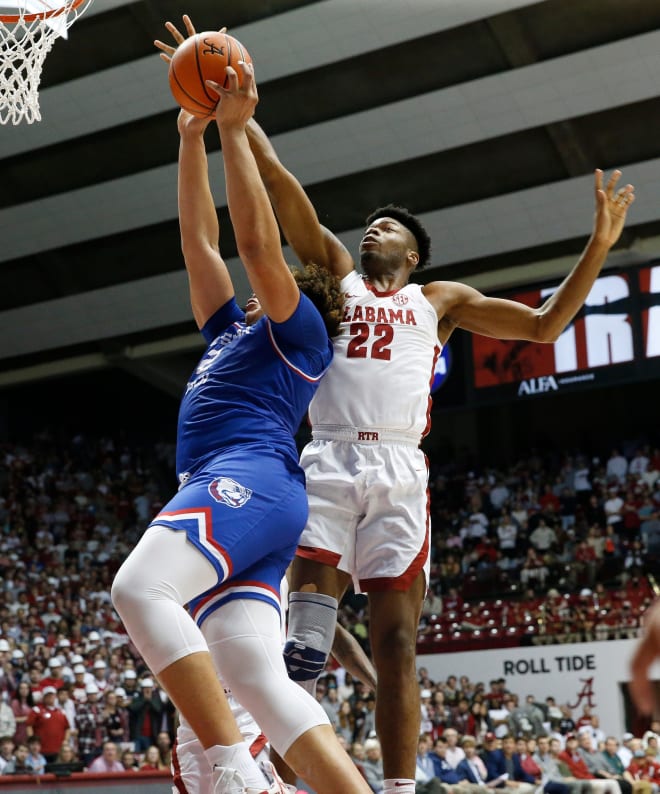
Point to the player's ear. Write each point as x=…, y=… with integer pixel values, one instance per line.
x=413, y=258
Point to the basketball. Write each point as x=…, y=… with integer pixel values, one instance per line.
x=202, y=57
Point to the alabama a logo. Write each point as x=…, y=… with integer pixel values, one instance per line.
x=229, y=492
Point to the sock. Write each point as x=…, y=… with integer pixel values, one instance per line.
x=237, y=756
x=310, y=634
x=397, y=785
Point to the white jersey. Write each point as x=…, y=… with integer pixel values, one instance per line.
x=381, y=374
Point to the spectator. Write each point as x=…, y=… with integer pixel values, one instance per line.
x=66, y=704
x=36, y=760
x=454, y=754
x=49, y=723
x=644, y=767
x=579, y=769
x=627, y=749
x=613, y=507
x=7, y=718
x=448, y=776
x=164, y=745
x=89, y=725
x=99, y=672
x=471, y=767
x=66, y=755
x=144, y=715
x=107, y=761
x=425, y=780
x=151, y=761
x=18, y=764
x=346, y=718
x=130, y=681
x=460, y=719
x=7, y=747
x=617, y=467
x=358, y=756
x=639, y=464
x=128, y=761
x=22, y=705
x=114, y=719
x=81, y=678
x=504, y=765
x=372, y=765
x=54, y=677
x=613, y=766
x=551, y=774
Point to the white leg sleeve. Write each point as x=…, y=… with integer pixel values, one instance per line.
x=161, y=574
x=245, y=640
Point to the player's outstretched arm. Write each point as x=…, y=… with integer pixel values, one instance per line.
x=646, y=653
x=467, y=308
x=311, y=241
x=210, y=283
x=255, y=227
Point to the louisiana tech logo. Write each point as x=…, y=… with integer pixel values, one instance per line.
x=229, y=492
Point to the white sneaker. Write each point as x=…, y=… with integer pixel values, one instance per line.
x=230, y=781
x=278, y=786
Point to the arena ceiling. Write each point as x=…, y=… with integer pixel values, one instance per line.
x=485, y=117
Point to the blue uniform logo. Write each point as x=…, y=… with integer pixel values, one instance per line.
x=229, y=492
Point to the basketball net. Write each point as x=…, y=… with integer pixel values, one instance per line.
x=26, y=37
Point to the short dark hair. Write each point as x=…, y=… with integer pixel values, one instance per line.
x=412, y=223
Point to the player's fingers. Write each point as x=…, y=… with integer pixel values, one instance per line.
x=176, y=34
x=189, y=25
x=232, y=79
x=248, y=77
x=223, y=30
x=216, y=87
x=598, y=179
x=611, y=182
x=166, y=48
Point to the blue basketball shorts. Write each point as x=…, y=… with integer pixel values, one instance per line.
x=244, y=512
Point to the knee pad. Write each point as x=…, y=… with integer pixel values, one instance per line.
x=311, y=632
x=303, y=664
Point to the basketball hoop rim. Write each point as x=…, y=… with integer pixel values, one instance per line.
x=12, y=19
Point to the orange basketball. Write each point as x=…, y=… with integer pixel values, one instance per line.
x=202, y=57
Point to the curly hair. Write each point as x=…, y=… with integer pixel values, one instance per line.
x=323, y=289
x=412, y=223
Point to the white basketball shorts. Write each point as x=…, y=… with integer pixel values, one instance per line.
x=368, y=511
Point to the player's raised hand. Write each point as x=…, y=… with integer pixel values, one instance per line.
x=187, y=124
x=237, y=101
x=167, y=50
x=611, y=207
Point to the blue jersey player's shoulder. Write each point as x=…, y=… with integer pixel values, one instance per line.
x=305, y=329
x=227, y=315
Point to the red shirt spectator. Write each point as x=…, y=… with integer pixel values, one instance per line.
x=574, y=760
x=49, y=724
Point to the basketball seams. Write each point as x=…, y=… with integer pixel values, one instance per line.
x=182, y=90
x=198, y=60
x=228, y=44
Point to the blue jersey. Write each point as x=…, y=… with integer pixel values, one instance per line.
x=252, y=385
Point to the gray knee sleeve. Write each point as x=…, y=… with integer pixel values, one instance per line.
x=310, y=634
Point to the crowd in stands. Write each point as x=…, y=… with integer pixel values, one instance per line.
x=71, y=509
x=476, y=739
